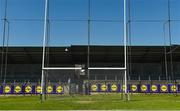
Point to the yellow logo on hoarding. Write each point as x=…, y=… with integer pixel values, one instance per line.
x=104, y=87
x=7, y=89
x=49, y=89
x=59, y=89
x=173, y=88
x=114, y=87
x=94, y=87
x=164, y=88
x=38, y=89
x=17, y=89
x=28, y=89
x=133, y=87
x=154, y=88
x=143, y=88
x=123, y=87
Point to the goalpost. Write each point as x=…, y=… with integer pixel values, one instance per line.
x=80, y=68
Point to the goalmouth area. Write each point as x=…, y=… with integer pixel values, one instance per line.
x=92, y=102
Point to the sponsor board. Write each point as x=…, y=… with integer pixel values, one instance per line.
x=173, y=88
x=7, y=89
x=17, y=89
x=104, y=87
x=28, y=89
x=164, y=88
x=38, y=89
x=154, y=88
x=134, y=88
x=94, y=87
x=49, y=89
x=59, y=89
x=113, y=87
x=110, y=87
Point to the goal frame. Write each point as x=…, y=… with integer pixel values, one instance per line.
x=80, y=68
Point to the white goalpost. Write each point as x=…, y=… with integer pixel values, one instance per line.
x=80, y=68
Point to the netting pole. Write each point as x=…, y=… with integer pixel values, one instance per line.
x=88, y=50
x=122, y=92
x=129, y=44
x=6, y=53
x=125, y=52
x=129, y=40
x=171, y=50
x=44, y=48
x=165, y=51
x=4, y=38
x=170, y=40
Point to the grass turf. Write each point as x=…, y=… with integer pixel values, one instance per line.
x=93, y=102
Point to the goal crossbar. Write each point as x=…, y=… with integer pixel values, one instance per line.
x=62, y=68
x=107, y=68
x=80, y=68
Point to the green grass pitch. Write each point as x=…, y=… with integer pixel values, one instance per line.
x=92, y=102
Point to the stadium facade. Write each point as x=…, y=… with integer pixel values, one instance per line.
x=144, y=62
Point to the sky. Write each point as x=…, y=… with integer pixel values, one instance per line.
x=69, y=26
